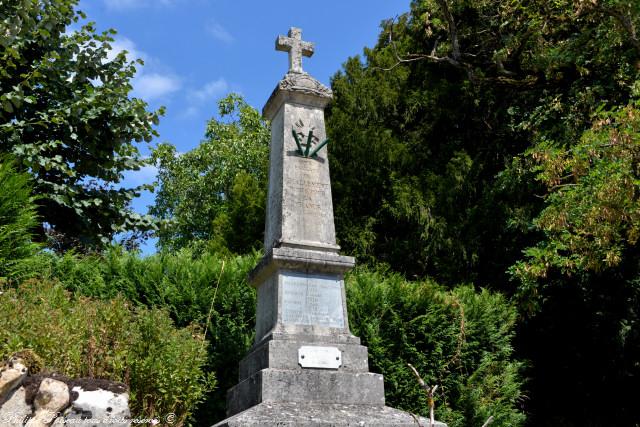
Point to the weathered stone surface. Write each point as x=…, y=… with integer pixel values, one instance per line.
x=292, y=304
x=301, y=292
x=105, y=407
x=299, y=208
x=296, y=48
x=308, y=385
x=276, y=276
x=44, y=400
x=51, y=399
x=287, y=258
x=15, y=409
x=312, y=299
x=290, y=414
x=299, y=88
x=11, y=376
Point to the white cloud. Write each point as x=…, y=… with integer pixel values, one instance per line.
x=211, y=90
x=148, y=84
x=146, y=175
x=154, y=85
x=124, y=44
x=219, y=32
x=209, y=93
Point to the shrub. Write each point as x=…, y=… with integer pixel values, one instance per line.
x=459, y=339
x=83, y=337
x=183, y=284
x=17, y=220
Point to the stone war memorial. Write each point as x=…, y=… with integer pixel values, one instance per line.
x=305, y=367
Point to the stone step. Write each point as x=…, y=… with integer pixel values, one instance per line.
x=308, y=385
x=290, y=414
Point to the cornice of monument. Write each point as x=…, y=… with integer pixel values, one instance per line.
x=297, y=87
x=299, y=259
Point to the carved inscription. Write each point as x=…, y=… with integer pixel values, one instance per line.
x=309, y=193
x=312, y=300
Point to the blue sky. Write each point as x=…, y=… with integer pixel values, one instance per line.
x=197, y=51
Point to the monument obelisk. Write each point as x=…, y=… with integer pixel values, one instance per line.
x=305, y=367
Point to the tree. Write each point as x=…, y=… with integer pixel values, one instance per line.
x=450, y=120
x=591, y=217
x=67, y=117
x=215, y=194
x=580, y=280
x=446, y=102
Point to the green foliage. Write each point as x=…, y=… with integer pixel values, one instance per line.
x=592, y=211
x=206, y=193
x=184, y=285
x=66, y=115
x=473, y=124
x=460, y=340
x=484, y=129
x=17, y=221
x=430, y=135
x=81, y=337
x=579, y=283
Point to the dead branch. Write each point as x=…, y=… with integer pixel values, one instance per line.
x=415, y=419
x=418, y=377
x=453, y=30
x=489, y=421
x=417, y=56
x=462, y=334
x=430, y=391
x=455, y=57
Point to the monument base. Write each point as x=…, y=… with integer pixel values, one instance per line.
x=272, y=414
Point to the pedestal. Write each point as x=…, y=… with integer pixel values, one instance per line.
x=306, y=368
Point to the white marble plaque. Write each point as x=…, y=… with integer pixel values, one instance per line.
x=319, y=357
x=312, y=300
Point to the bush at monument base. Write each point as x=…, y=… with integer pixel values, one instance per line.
x=458, y=339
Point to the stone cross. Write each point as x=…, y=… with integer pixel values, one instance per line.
x=296, y=48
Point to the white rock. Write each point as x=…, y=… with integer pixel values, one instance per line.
x=106, y=407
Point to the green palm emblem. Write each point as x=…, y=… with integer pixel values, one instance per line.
x=304, y=150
